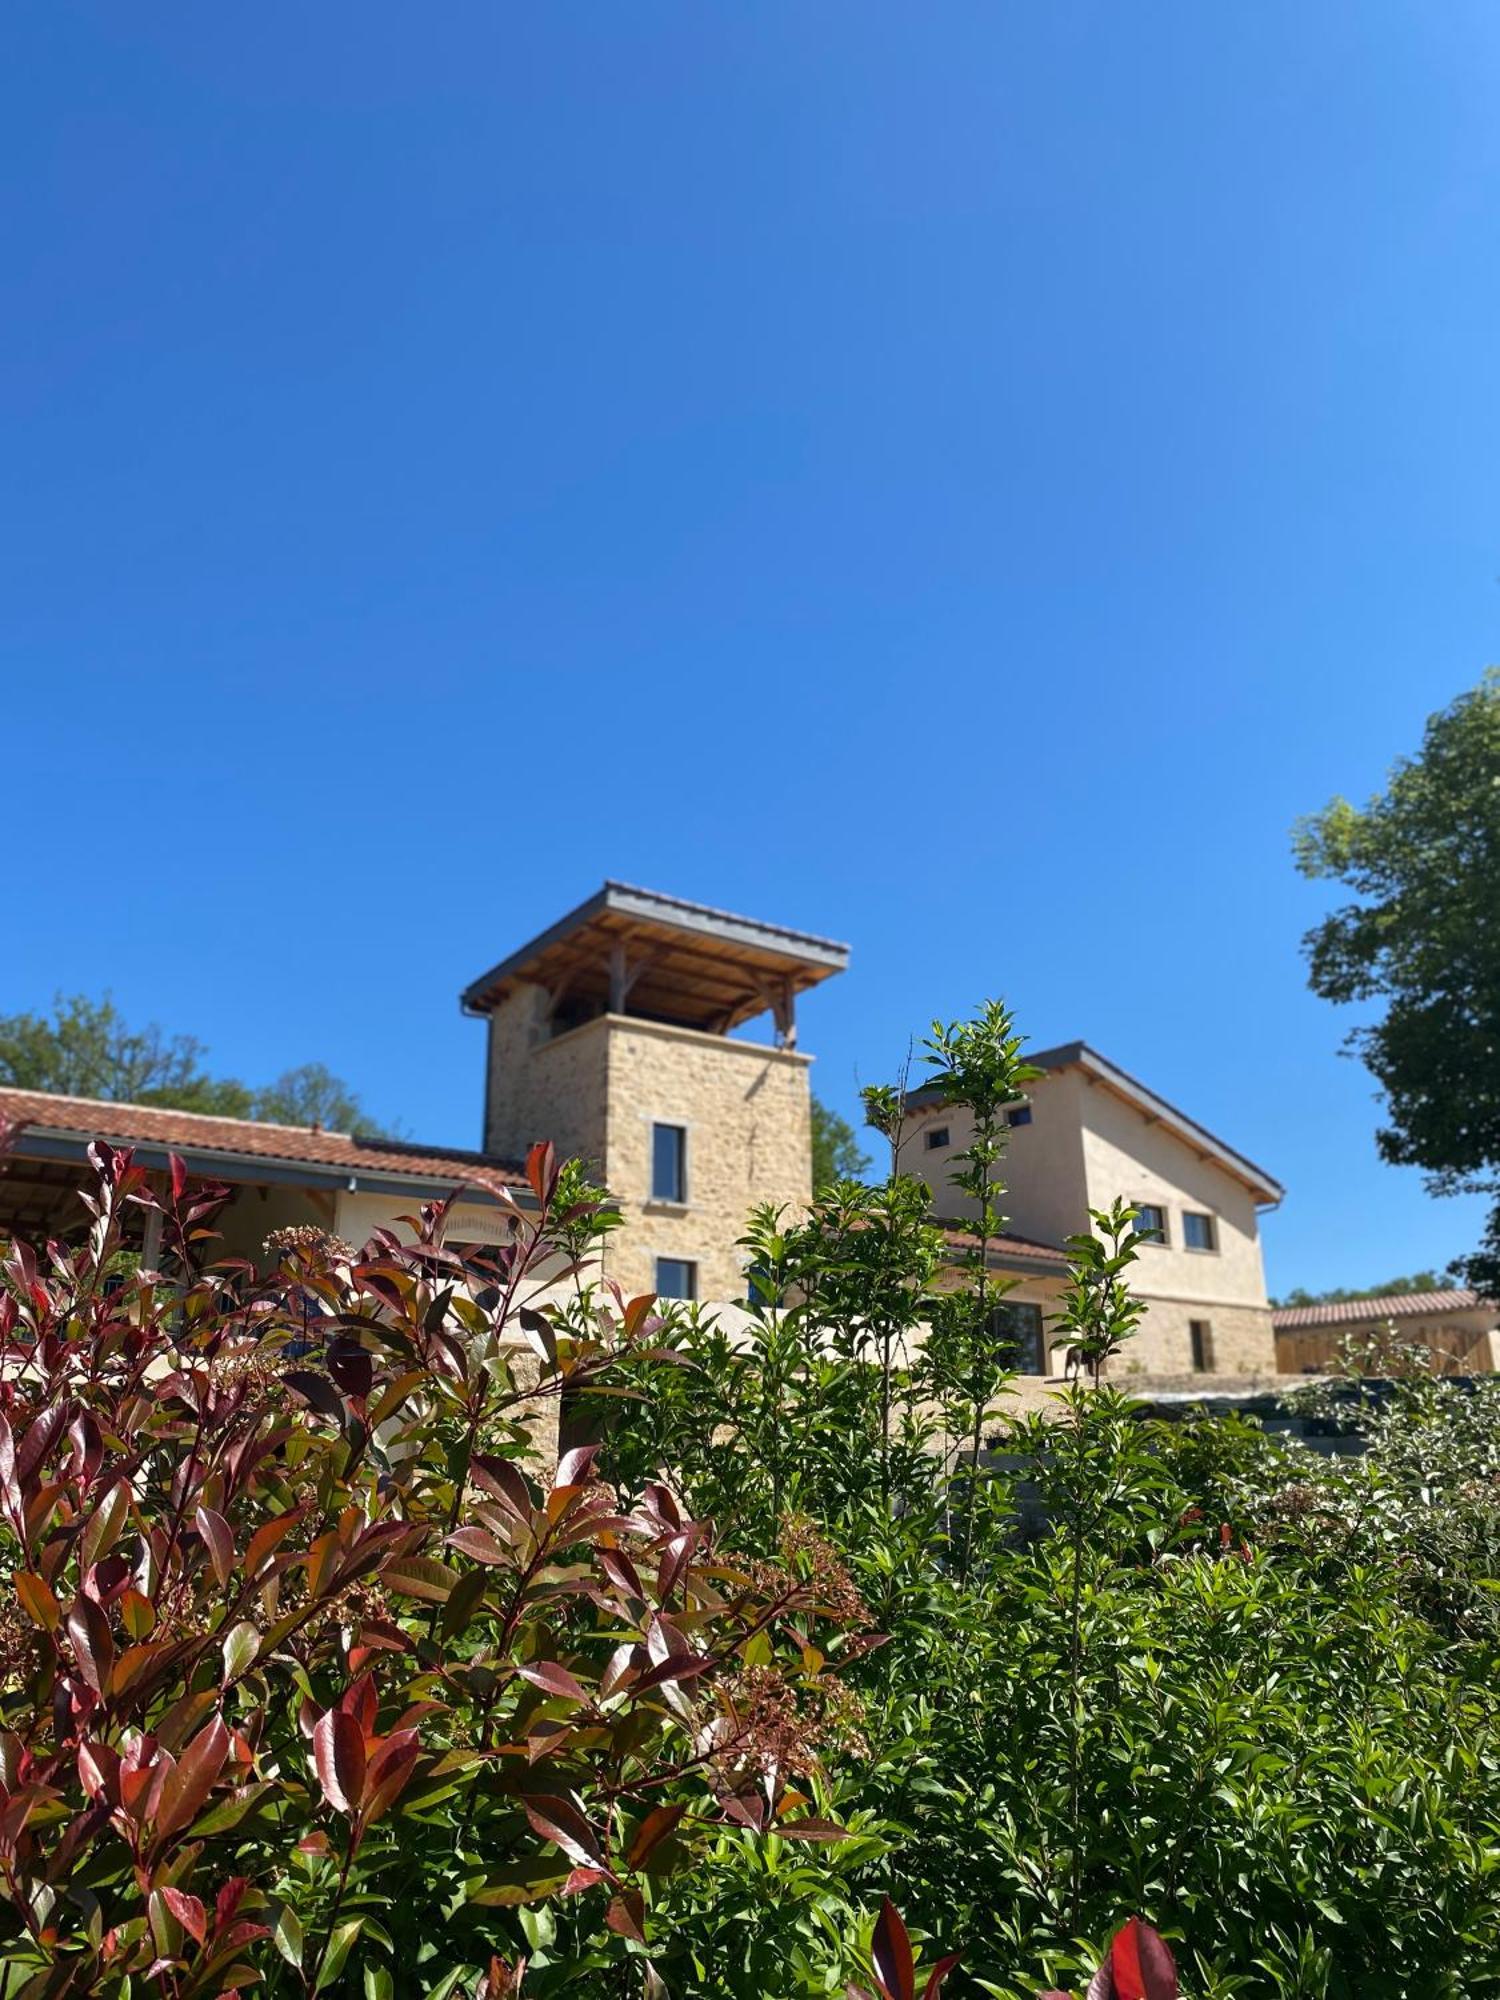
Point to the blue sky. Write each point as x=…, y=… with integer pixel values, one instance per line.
x=960, y=479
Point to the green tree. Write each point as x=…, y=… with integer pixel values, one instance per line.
x=1423, y=860
x=836, y=1152
x=87, y=1049
x=311, y=1095
x=1394, y=1288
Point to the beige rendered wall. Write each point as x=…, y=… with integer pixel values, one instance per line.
x=746, y=1109
x=256, y=1211
x=1085, y=1146
x=1043, y=1169
x=1137, y=1159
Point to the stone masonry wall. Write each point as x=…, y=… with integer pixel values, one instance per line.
x=1243, y=1340
x=746, y=1109
x=546, y=1088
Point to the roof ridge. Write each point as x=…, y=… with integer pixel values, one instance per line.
x=175, y=1110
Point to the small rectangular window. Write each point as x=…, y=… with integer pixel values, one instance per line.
x=669, y=1163
x=1021, y=1115
x=1151, y=1222
x=1016, y=1326
x=676, y=1278
x=1202, y=1336
x=934, y=1137
x=1198, y=1230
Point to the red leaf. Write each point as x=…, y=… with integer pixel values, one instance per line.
x=93, y=1648
x=811, y=1829
x=541, y=1170
x=560, y=1821
x=389, y=1769
x=218, y=1541
x=179, y=1176
x=1142, y=1966
x=99, y=1771
x=500, y=1479
x=574, y=1467
x=626, y=1915
x=890, y=1950
x=188, y=1911
x=231, y=1895
x=192, y=1781
x=651, y=1832
x=938, y=1974
x=581, y=1879
x=482, y=1547
x=339, y=1754
x=359, y=1700
x=553, y=1679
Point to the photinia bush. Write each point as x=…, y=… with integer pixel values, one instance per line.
x=317, y=1676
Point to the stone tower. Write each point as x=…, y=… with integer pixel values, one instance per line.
x=611, y=1034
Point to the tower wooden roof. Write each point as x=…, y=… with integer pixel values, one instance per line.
x=663, y=958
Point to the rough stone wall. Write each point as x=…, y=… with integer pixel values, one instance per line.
x=746, y=1110
x=541, y=1087
x=1243, y=1341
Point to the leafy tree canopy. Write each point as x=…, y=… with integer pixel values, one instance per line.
x=1394, y=1288
x=1423, y=861
x=86, y=1049
x=836, y=1152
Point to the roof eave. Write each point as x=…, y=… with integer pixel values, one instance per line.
x=59, y=1143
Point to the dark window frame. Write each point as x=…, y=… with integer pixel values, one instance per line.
x=1210, y=1230
x=660, y=1127
x=1019, y=1325
x=936, y=1137
x=1158, y=1232
x=689, y=1267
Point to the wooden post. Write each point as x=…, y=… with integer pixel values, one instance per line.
x=151, y=1240
x=785, y=1015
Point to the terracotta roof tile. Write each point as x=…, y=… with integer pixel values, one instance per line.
x=1029, y=1247
x=192, y=1132
x=1353, y=1312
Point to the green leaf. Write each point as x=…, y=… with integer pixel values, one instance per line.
x=338, y=1950
x=287, y=1936
x=241, y=1644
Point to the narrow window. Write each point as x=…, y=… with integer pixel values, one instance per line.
x=1017, y=1327
x=1151, y=1222
x=1198, y=1230
x=935, y=1137
x=669, y=1163
x=1202, y=1337
x=676, y=1279
x=1021, y=1115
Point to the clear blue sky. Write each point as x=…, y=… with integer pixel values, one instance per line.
x=959, y=478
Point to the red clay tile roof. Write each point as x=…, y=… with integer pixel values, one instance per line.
x=191, y=1133
x=1028, y=1247
x=1396, y=1305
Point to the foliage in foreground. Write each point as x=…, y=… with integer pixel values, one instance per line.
x=307, y=1684
x=1169, y=1667
x=310, y=1684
